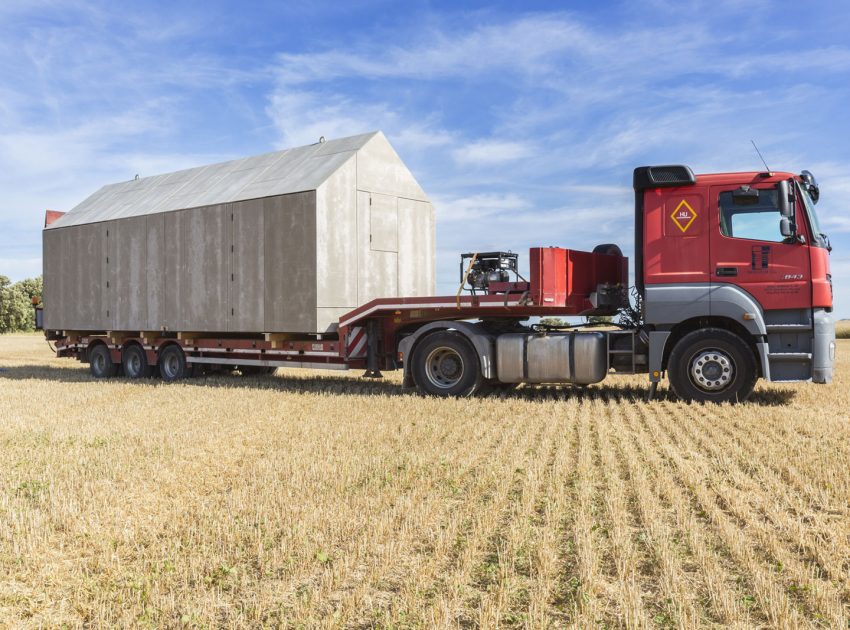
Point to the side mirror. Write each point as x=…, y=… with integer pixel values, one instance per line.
x=785, y=227
x=811, y=185
x=786, y=205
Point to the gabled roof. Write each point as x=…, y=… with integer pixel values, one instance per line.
x=278, y=173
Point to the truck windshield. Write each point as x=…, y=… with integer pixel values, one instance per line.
x=819, y=239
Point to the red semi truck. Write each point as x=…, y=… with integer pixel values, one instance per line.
x=731, y=283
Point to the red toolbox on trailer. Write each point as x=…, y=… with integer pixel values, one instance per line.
x=567, y=277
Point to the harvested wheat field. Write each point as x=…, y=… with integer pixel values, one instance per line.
x=317, y=500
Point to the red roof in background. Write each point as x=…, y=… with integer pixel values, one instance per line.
x=50, y=216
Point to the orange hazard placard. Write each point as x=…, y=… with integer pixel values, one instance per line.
x=683, y=216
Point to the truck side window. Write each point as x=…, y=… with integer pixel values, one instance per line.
x=753, y=220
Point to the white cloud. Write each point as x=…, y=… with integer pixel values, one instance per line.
x=487, y=152
x=478, y=207
x=58, y=168
x=20, y=268
x=527, y=45
x=611, y=108
x=302, y=117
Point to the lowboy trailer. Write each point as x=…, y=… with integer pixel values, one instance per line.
x=731, y=283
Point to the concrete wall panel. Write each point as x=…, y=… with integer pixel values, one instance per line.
x=383, y=222
x=71, y=279
x=107, y=284
x=379, y=169
x=416, y=245
x=87, y=289
x=155, y=272
x=76, y=284
x=328, y=318
x=290, y=262
x=336, y=241
x=72, y=272
x=128, y=269
x=206, y=268
x=363, y=249
x=172, y=245
x=377, y=271
x=247, y=294
x=379, y=278
x=54, y=257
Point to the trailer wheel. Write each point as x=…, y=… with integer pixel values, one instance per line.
x=135, y=362
x=445, y=364
x=100, y=362
x=712, y=365
x=172, y=363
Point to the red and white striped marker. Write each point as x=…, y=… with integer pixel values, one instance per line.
x=357, y=342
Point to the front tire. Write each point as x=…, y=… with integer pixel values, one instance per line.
x=445, y=364
x=712, y=365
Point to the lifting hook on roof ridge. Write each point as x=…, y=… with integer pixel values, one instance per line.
x=136, y=178
x=321, y=139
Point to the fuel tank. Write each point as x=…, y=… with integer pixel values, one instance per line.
x=580, y=358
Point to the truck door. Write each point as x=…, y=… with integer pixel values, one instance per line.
x=676, y=237
x=748, y=250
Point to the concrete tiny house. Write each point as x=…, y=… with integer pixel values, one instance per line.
x=287, y=241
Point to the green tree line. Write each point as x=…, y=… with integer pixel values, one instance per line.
x=16, y=310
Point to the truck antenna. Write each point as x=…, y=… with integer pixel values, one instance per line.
x=767, y=168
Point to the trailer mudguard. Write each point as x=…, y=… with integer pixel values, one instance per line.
x=481, y=341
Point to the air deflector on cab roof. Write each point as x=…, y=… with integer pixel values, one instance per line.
x=663, y=176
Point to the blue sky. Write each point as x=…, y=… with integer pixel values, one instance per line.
x=522, y=125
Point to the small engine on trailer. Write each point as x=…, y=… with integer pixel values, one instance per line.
x=491, y=273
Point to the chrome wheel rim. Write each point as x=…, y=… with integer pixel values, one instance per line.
x=712, y=370
x=444, y=367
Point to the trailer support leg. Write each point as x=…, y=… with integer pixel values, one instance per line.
x=372, y=365
x=650, y=395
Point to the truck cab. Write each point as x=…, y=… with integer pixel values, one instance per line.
x=733, y=259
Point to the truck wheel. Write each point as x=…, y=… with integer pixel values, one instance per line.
x=712, y=365
x=445, y=364
x=172, y=363
x=100, y=362
x=135, y=362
